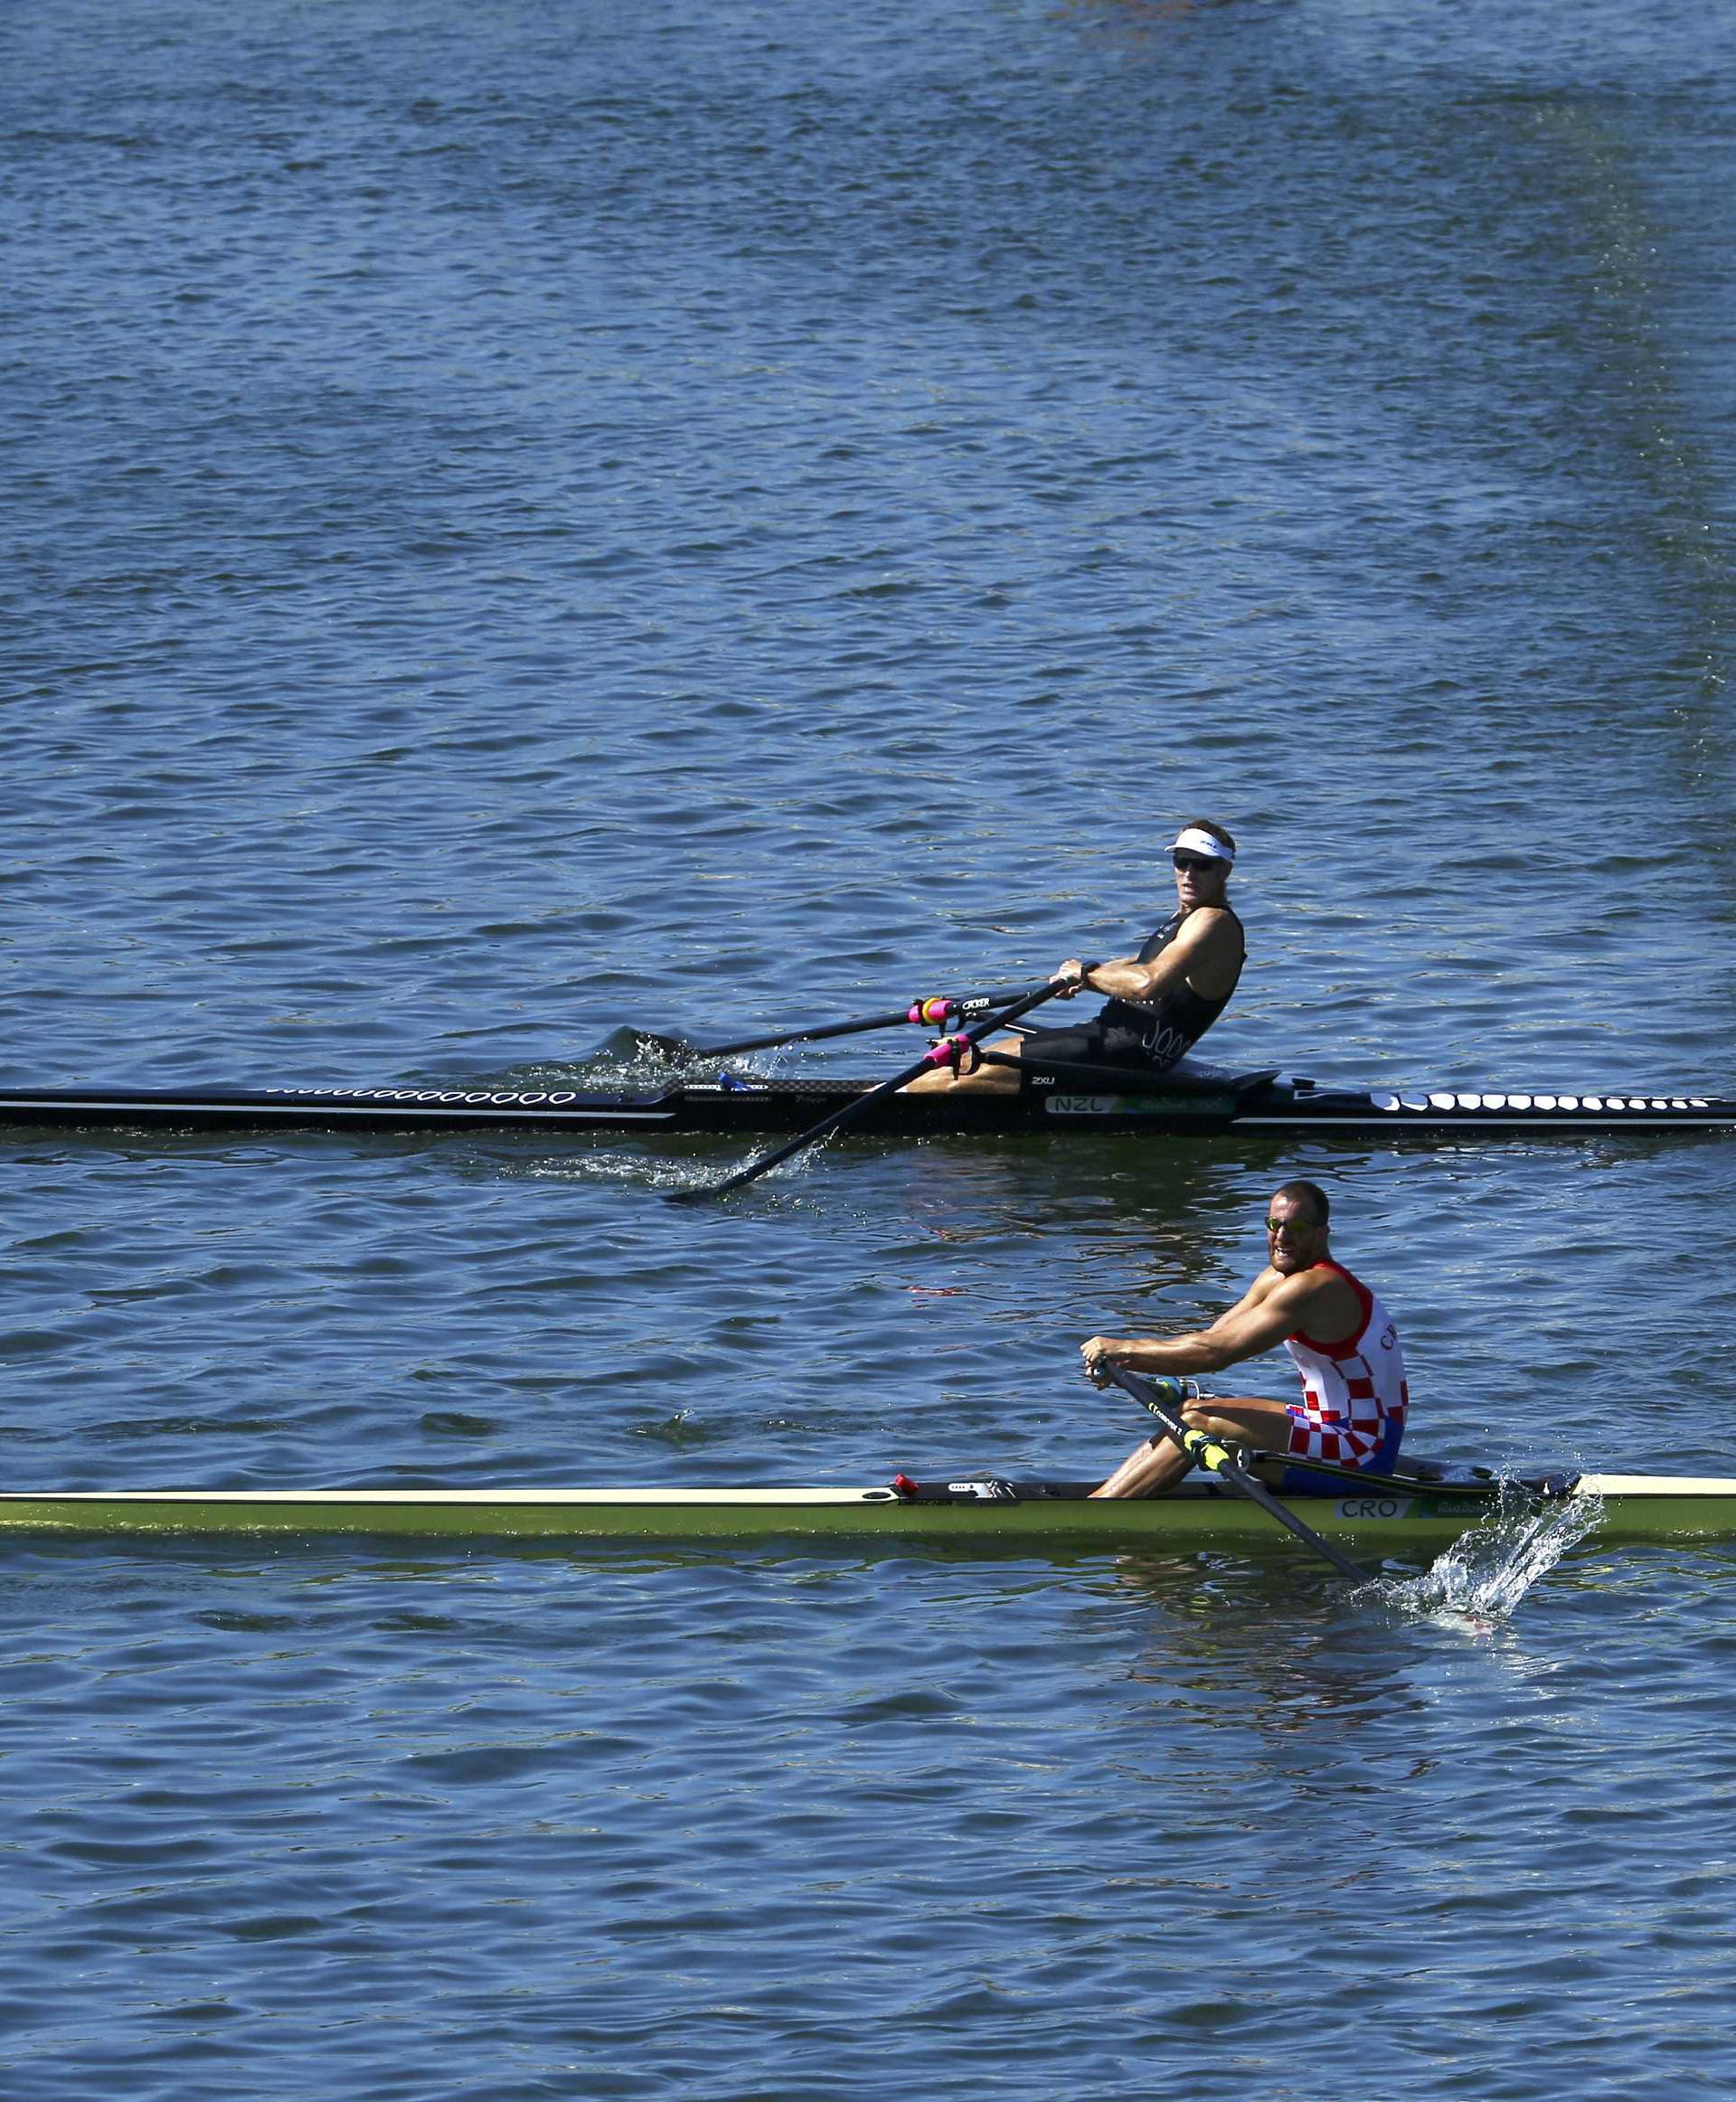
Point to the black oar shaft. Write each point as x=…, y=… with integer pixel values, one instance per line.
x=838, y=1118
x=1220, y=1460
x=958, y=1007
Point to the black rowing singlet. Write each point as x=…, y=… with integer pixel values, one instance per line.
x=1178, y=1017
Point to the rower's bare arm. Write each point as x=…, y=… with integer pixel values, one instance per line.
x=1269, y=1313
x=1206, y=941
x=1095, y=977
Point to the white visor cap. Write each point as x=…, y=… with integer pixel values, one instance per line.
x=1191, y=840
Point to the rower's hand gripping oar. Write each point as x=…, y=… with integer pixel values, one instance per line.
x=946, y=1052
x=932, y=1014
x=1228, y=1467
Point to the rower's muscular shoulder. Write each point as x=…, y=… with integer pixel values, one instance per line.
x=1210, y=935
x=1319, y=1297
x=1208, y=923
x=1268, y=1282
x=1325, y=1305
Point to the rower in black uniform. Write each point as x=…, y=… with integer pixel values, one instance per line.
x=1160, y=1001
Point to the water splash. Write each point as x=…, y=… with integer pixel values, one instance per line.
x=628, y=1059
x=1484, y=1574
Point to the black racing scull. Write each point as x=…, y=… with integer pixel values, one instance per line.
x=1202, y=1103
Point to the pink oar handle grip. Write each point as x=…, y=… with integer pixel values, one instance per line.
x=947, y=1051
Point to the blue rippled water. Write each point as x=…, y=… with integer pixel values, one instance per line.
x=527, y=520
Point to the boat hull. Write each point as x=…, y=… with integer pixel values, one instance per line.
x=1385, y=1517
x=1262, y=1105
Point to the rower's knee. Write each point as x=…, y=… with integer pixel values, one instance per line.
x=973, y=1075
x=1191, y=1415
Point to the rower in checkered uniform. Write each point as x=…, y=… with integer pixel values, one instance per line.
x=1342, y=1341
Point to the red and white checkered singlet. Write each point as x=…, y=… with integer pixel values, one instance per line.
x=1354, y=1395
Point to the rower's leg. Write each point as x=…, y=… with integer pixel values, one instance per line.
x=1149, y=1470
x=1159, y=1464
x=981, y=1080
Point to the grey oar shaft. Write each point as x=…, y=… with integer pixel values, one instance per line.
x=1220, y=1460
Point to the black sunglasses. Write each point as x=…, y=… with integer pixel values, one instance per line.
x=1192, y=862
